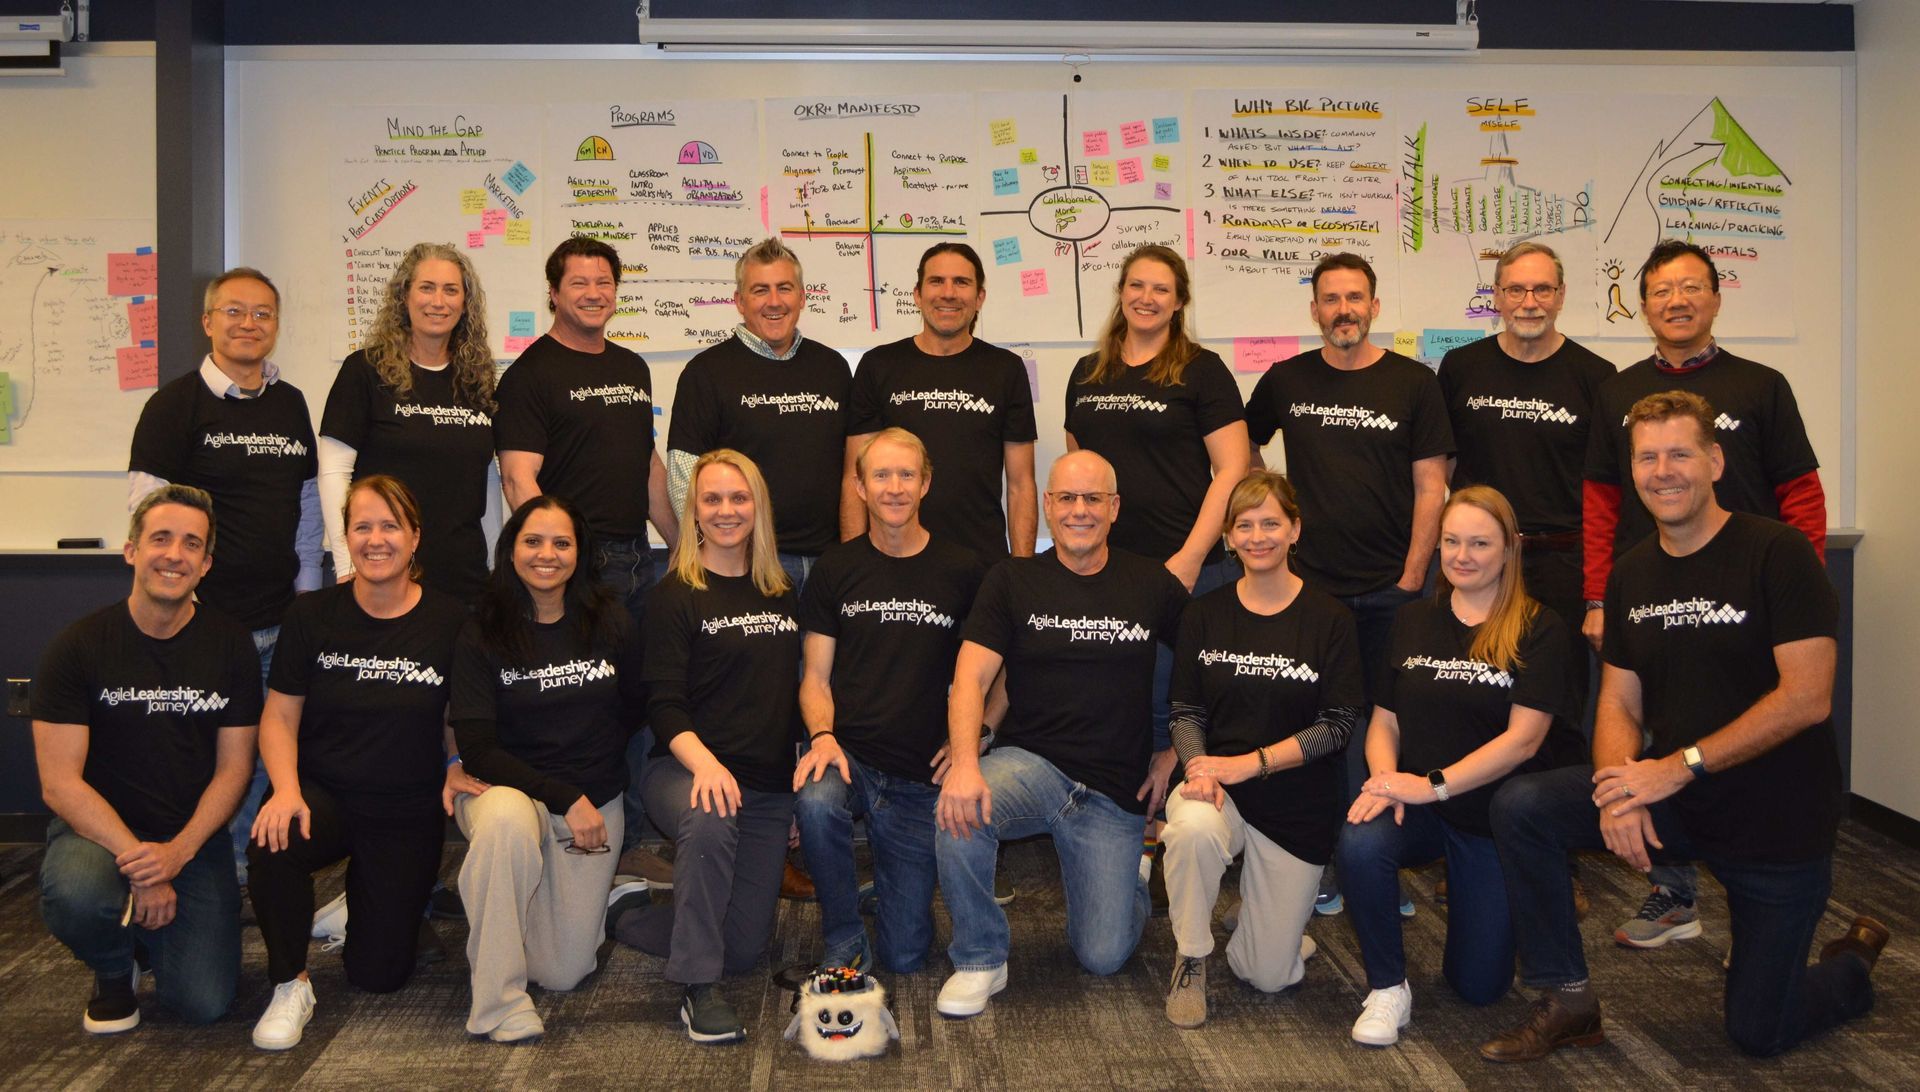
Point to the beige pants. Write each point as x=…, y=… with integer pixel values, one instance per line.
x=1276, y=891
x=534, y=911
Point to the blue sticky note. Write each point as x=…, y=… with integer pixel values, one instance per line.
x=520, y=324
x=143, y=250
x=1166, y=130
x=1435, y=344
x=518, y=176
x=147, y=344
x=1006, y=180
x=139, y=299
x=1006, y=251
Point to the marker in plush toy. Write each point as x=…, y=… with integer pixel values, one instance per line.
x=843, y=1015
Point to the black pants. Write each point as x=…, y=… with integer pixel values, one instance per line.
x=391, y=865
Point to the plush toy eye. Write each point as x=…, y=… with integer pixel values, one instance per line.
x=846, y=1018
x=826, y=1017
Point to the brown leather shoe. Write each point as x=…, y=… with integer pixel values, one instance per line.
x=795, y=884
x=1582, y=905
x=1865, y=938
x=1548, y=1027
x=642, y=863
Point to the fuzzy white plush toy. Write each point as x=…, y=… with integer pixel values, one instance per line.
x=843, y=1015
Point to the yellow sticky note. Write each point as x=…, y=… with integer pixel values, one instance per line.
x=473, y=202
x=1162, y=163
x=1407, y=343
x=519, y=232
x=1002, y=130
x=1028, y=155
x=1100, y=172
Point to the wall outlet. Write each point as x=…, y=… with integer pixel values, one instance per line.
x=18, y=701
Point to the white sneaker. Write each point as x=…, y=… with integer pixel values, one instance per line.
x=330, y=921
x=966, y=993
x=286, y=1016
x=1385, y=1013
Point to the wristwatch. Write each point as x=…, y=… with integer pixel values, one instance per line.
x=1695, y=761
x=1439, y=782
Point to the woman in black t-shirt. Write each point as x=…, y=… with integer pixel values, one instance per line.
x=723, y=655
x=416, y=402
x=1266, y=691
x=546, y=694
x=353, y=737
x=1478, y=688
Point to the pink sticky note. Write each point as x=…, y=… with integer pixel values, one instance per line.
x=766, y=223
x=476, y=240
x=1189, y=234
x=1094, y=141
x=1133, y=133
x=518, y=344
x=1130, y=171
x=493, y=221
x=1163, y=191
x=133, y=274
x=143, y=321
x=1033, y=282
x=138, y=367
x=1257, y=354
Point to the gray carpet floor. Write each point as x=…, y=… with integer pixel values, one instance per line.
x=1055, y=1028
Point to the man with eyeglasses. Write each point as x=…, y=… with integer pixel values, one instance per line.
x=1771, y=471
x=234, y=429
x=1074, y=630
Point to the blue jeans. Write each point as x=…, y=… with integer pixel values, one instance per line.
x=240, y=830
x=1224, y=571
x=797, y=567
x=195, y=957
x=900, y=828
x=1373, y=624
x=1097, y=841
x=1773, y=997
x=1478, y=962
x=625, y=566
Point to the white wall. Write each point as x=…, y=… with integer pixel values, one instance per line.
x=1886, y=745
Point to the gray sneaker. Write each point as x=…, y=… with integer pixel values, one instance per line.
x=707, y=1016
x=1661, y=918
x=1187, y=996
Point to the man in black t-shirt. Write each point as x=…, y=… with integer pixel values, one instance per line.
x=1720, y=649
x=776, y=397
x=968, y=401
x=144, y=716
x=1074, y=630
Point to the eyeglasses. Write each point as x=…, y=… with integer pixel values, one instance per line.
x=1542, y=292
x=233, y=312
x=568, y=845
x=1687, y=290
x=1068, y=500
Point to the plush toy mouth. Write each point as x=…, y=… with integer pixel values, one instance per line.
x=837, y=1034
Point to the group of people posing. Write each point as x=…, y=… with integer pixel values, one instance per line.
x=841, y=634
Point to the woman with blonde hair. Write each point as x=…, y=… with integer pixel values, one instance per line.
x=722, y=665
x=1478, y=687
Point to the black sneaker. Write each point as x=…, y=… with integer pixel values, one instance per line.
x=445, y=904
x=632, y=895
x=707, y=1016
x=113, y=1006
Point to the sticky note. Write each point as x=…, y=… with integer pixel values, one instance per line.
x=6, y=397
x=518, y=177
x=1166, y=130
x=473, y=202
x=135, y=274
x=1133, y=133
x=1002, y=131
x=1162, y=163
x=519, y=232
x=143, y=319
x=1257, y=354
x=476, y=240
x=1033, y=282
x=517, y=343
x=1006, y=251
x=1130, y=171
x=493, y=222
x=764, y=221
x=1163, y=191
x=1006, y=180
x=1100, y=172
x=1029, y=156
x=1407, y=343
x=138, y=365
x=1033, y=374
x=519, y=323
x=1094, y=142
x=1438, y=343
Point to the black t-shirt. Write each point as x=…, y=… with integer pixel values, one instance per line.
x=590, y=417
x=788, y=416
x=153, y=709
x=1079, y=659
x=895, y=623
x=966, y=408
x=724, y=664
x=1757, y=424
x=1522, y=428
x=1155, y=437
x=1351, y=441
x=440, y=448
x=1700, y=632
x=556, y=726
x=252, y=455
x=1450, y=704
x=1263, y=678
x=375, y=691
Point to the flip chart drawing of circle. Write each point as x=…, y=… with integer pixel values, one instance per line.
x=594, y=147
x=1069, y=213
x=698, y=151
